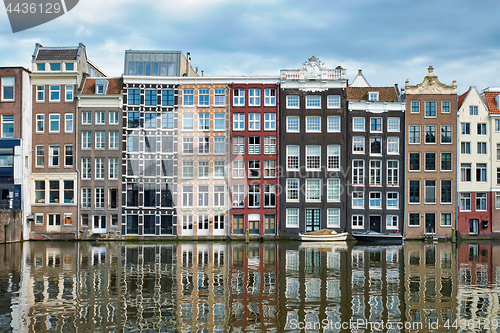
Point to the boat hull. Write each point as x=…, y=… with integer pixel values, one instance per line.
x=380, y=238
x=324, y=238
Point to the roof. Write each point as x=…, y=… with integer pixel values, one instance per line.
x=114, y=86
x=461, y=99
x=57, y=54
x=489, y=99
x=361, y=93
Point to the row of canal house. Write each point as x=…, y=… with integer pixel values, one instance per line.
x=163, y=151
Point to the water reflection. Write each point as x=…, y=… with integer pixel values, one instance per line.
x=256, y=287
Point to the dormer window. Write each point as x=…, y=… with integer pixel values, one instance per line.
x=40, y=67
x=373, y=96
x=497, y=100
x=70, y=66
x=101, y=86
x=55, y=67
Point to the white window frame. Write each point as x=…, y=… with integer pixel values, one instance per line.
x=269, y=168
x=58, y=120
x=238, y=121
x=358, y=195
x=311, y=152
x=333, y=124
x=358, y=172
x=288, y=156
x=393, y=145
x=292, y=102
x=313, y=124
x=389, y=223
x=270, y=97
x=290, y=120
x=86, y=118
x=254, y=121
x=113, y=168
x=358, y=124
x=188, y=97
x=359, y=221
x=114, y=139
x=292, y=188
x=333, y=157
x=333, y=102
x=393, y=124
x=313, y=102
x=238, y=169
x=53, y=89
x=68, y=123
x=292, y=218
x=356, y=144
x=333, y=218
x=86, y=168
x=238, y=97
x=100, y=140
x=254, y=97
x=188, y=122
x=69, y=93
x=313, y=190
x=40, y=94
x=218, y=117
x=269, y=121
x=373, y=196
x=53, y=149
x=333, y=189
x=389, y=200
x=7, y=84
x=100, y=168
x=270, y=145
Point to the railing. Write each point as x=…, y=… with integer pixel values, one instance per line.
x=325, y=74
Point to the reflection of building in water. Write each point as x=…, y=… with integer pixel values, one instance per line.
x=430, y=283
x=11, y=287
x=253, y=287
x=202, y=292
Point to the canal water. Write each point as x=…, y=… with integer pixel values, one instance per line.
x=256, y=287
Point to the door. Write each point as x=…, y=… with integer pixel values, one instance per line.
x=99, y=225
x=166, y=224
x=269, y=224
x=313, y=222
x=187, y=225
x=430, y=223
x=254, y=224
x=238, y=223
x=203, y=223
x=375, y=223
x=54, y=222
x=149, y=224
x=219, y=228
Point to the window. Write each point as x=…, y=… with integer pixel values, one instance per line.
x=203, y=196
x=393, y=173
x=39, y=191
x=473, y=110
x=7, y=126
x=133, y=119
x=430, y=191
x=358, y=124
x=254, y=121
x=269, y=97
x=333, y=218
x=333, y=102
x=203, y=121
x=254, y=145
x=134, y=96
x=54, y=120
x=333, y=162
x=167, y=120
x=269, y=195
x=68, y=123
x=414, y=133
x=430, y=134
x=446, y=191
x=55, y=66
x=167, y=97
x=375, y=124
x=113, y=140
x=313, y=190
x=358, y=199
x=113, y=168
x=415, y=107
x=40, y=67
x=498, y=176
x=465, y=147
x=188, y=121
x=68, y=155
x=39, y=156
x=239, y=121
x=375, y=173
x=220, y=145
x=376, y=200
x=149, y=120
x=358, y=168
x=313, y=124
x=357, y=221
x=133, y=143
x=270, y=145
x=54, y=219
x=446, y=133
x=292, y=189
x=392, y=221
x=254, y=97
x=187, y=169
x=430, y=161
x=333, y=124
x=497, y=200
x=392, y=200
x=465, y=128
x=188, y=97
x=481, y=148
x=445, y=219
x=481, y=129
x=219, y=97
x=269, y=168
x=446, y=162
x=292, y=156
x=375, y=146
x=414, y=191
x=204, y=145
x=204, y=97
x=253, y=196
x=313, y=157
x=358, y=144
x=465, y=172
x=254, y=169
x=430, y=109
x=313, y=102
x=238, y=169
x=100, y=118
x=55, y=93
x=373, y=96
x=69, y=93
x=333, y=189
x=239, y=97
x=473, y=226
x=497, y=125
x=99, y=168
x=219, y=169
x=414, y=161
x=219, y=122
x=238, y=145
x=8, y=84
x=481, y=172
x=86, y=118
x=292, y=102
x=481, y=201
x=292, y=217
x=445, y=107
x=238, y=196
x=464, y=202
x=414, y=219
x=187, y=196
x=86, y=168
x=100, y=140
x=86, y=197
x=53, y=191
x=270, y=122
x=203, y=169
x=393, y=125
x=219, y=196
x=292, y=124
x=40, y=93
x=54, y=156
x=113, y=203
x=393, y=145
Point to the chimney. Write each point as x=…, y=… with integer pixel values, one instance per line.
x=188, y=63
x=360, y=72
x=201, y=73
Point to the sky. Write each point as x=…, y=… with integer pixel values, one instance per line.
x=390, y=40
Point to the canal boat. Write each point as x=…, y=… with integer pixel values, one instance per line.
x=373, y=236
x=324, y=235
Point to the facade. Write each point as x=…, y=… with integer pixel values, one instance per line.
x=15, y=142
x=254, y=157
x=56, y=75
x=375, y=127
x=99, y=152
x=313, y=148
x=474, y=160
x=430, y=172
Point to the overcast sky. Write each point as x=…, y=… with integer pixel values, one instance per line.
x=391, y=40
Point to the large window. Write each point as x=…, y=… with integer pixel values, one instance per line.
x=375, y=173
x=167, y=120
x=100, y=140
x=269, y=195
x=333, y=189
x=187, y=169
x=292, y=156
x=481, y=129
x=414, y=191
x=313, y=102
x=414, y=133
x=188, y=97
x=99, y=197
x=333, y=218
x=269, y=168
x=219, y=122
x=239, y=196
x=203, y=196
x=481, y=199
x=358, y=168
x=40, y=123
x=446, y=191
x=100, y=168
x=150, y=120
x=392, y=173
x=465, y=202
x=358, y=124
x=54, y=122
x=86, y=168
x=473, y=110
x=167, y=97
x=430, y=191
x=415, y=107
x=133, y=119
x=254, y=121
x=292, y=102
x=254, y=145
x=238, y=121
x=292, y=217
x=204, y=97
x=134, y=96
x=219, y=97
x=292, y=124
x=68, y=155
x=393, y=145
x=393, y=125
x=446, y=164
x=187, y=196
x=465, y=148
x=54, y=155
x=254, y=169
x=204, y=169
x=446, y=134
x=55, y=93
x=113, y=140
x=333, y=102
x=239, y=97
x=7, y=126
x=238, y=145
x=187, y=145
x=270, y=122
x=482, y=148
x=376, y=146
x=313, y=190
x=40, y=93
x=465, y=128
x=465, y=172
x=39, y=191
x=392, y=200
x=203, y=145
x=358, y=144
x=333, y=152
x=358, y=199
x=254, y=97
x=313, y=124
x=414, y=219
x=113, y=168
x=269, y=97
x=40, y=153
x=253, y=196
x=86, y=197
x=481, y=172
x=8, y=84
x=375, y=200
x=333, y=124
x=430, y=109
x=313, y=157
x=270, y=145
x=188, y=121
x=375, y=124
x=68, y=123
x=430, y=161
x=430, y=134
x=292, y=189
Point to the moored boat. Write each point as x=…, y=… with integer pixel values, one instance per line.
x=324, y=235
x=373, y=236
